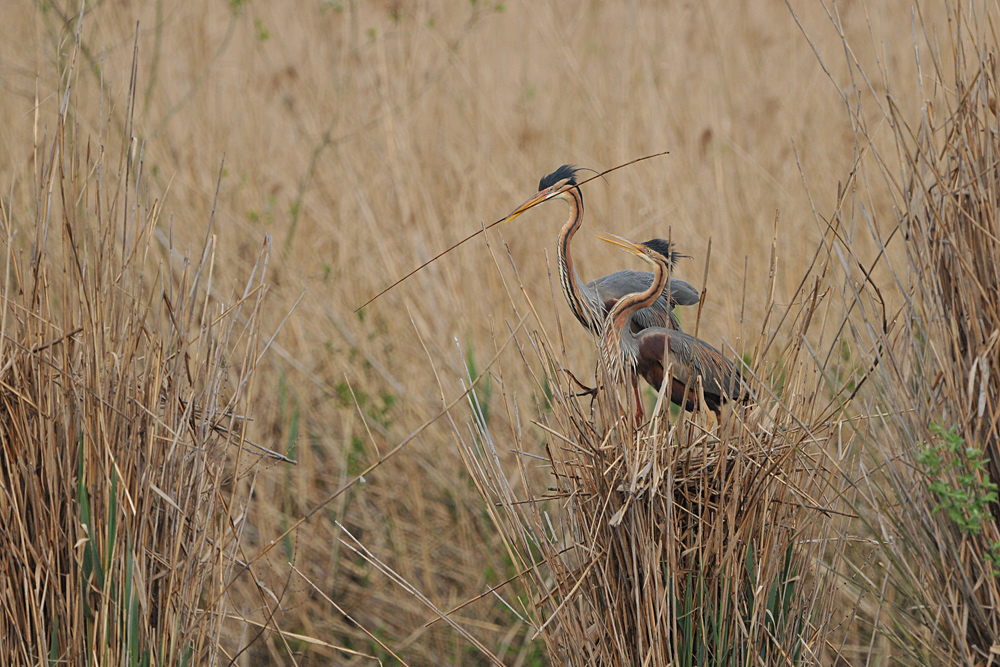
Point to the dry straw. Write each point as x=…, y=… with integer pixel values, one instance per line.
x=848, y=516
x=125, y=471
x=851, y=515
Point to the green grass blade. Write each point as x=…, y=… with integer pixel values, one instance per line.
x=54, y=642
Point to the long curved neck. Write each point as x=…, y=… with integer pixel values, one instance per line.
x=619, y=316
x=573, y=288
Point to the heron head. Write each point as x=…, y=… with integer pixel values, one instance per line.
x=564, y=175
x=665, y=249
x=643, y=251
x=552, y=186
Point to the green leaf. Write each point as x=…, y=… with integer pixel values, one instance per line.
x=91, y=565
x=132, y=606
x=112, y=521
x=54, y=642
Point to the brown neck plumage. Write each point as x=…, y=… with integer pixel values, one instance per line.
x=619, y=315
x=567, y=276
x=619, y=345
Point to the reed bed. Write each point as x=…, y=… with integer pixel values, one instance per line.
x=365, y=137
x=126, y=378
x=851, y=515
x=484, y=507
x=927, y=325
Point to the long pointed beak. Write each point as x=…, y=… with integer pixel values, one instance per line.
x=536, y=199
x=624, y=244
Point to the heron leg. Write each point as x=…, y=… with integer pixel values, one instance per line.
x=704, y=406
x=587, y=391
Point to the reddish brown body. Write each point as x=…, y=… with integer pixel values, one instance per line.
x=649, y=351
x=690, y=358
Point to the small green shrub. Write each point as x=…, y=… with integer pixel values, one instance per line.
x=958, y=479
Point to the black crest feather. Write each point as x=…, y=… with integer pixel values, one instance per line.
x=567, y=171
x=665, y=248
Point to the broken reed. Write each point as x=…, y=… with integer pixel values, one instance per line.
x=124, y=389
x=685, y=542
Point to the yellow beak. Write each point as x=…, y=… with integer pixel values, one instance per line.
x=538, y=198
x=624, y=244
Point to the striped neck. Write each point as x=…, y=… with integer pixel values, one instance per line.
x=619, y=318
x=583, y=309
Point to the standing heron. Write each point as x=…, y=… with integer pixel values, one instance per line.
x=591, y=302
x=647, y=350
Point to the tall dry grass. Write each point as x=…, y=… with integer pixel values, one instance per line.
x=926, y=326
x=125, y=393
x=366, y=136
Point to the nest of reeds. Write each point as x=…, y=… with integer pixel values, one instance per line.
x=683, y=541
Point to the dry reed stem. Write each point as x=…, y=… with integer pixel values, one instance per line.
x=925, y=323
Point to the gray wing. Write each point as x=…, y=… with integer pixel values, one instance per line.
x=614, y=286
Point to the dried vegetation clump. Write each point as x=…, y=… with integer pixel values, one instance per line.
x=685, y=541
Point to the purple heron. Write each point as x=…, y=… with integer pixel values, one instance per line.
x=647, y=350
